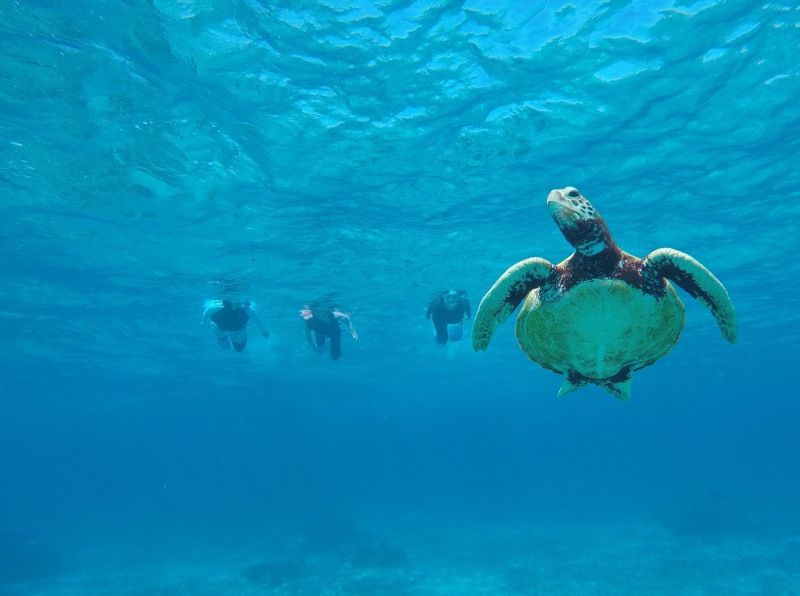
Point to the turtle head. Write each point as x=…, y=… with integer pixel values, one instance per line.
x=580, y=223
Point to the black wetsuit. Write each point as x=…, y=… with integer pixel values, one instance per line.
x=326, y=327
x=231, y=318
x=437, y=311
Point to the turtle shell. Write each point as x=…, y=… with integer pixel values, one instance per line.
x=599, y=327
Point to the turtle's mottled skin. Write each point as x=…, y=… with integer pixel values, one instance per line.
x=601, y=313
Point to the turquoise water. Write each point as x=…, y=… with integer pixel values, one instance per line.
x=159, y=154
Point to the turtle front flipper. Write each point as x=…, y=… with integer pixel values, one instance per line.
x=687, y=273
x=505, y=295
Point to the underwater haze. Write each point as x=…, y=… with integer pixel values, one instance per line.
x=159, y=154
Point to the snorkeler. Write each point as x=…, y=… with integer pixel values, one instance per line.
x=229, y=322
x=323, y=327
x=449, y=310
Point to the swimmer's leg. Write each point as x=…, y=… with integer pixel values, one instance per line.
x=440, y=324
x=222, y=339
x=239, y=339
x=455, y=332
x=336, y=345
x=321, y=339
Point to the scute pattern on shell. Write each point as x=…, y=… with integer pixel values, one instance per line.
x=599, y=327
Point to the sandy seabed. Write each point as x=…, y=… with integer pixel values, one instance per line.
x=421, y=558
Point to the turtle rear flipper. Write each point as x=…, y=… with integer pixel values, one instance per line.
x=690, y=275
x=505, y=295
x=619, y=389
x=618, y=386
x=572, y=382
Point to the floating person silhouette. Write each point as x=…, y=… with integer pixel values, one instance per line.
x=229, y=319
x=323, y=327
x=448, y=310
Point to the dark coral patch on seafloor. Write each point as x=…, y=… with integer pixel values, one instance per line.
x=381, y=556
x=274, y=574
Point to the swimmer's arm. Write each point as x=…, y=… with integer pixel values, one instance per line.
x=257, y=321
x=207, y=314
x=435, y=305
x=350, y=326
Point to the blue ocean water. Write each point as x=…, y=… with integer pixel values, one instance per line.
x=155, y=155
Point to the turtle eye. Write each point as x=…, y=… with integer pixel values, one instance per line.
x=573, y=194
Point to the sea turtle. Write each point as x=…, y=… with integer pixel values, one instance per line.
x=601, y=313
